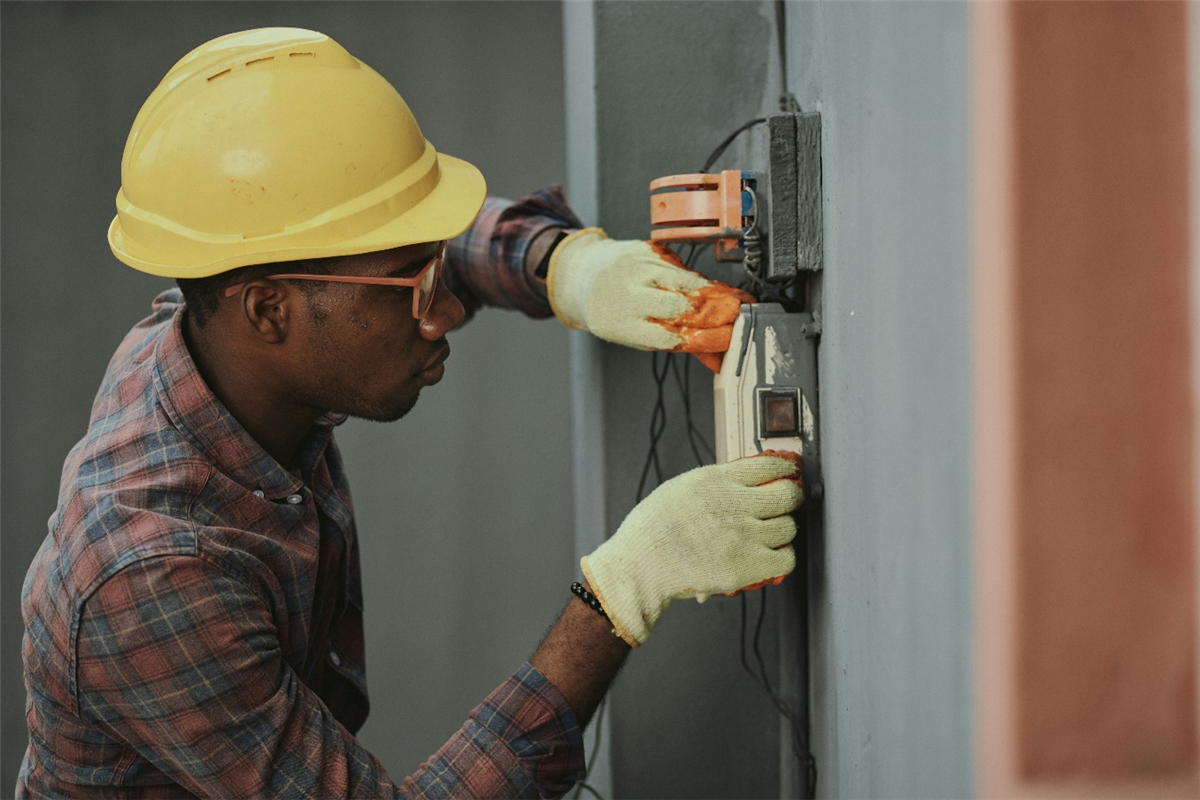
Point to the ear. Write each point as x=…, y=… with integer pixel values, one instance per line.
x=269, y=308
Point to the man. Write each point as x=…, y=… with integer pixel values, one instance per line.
x=194, y=617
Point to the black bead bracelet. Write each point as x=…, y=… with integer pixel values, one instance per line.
x=587, y=597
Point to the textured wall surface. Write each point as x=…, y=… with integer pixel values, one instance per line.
x=471, y=490
x=891, y=661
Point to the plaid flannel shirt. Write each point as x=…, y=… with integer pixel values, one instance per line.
x=193, y=620
x=486, y=265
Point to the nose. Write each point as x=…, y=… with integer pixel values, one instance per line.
x=446, y=314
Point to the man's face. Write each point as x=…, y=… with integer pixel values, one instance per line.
x=363, y=353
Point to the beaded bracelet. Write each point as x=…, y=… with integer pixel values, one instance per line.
x=587, y=597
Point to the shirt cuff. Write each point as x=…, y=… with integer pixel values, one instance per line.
x=534, y=721
x=486, y=265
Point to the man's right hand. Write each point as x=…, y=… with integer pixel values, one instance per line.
x=718, y=529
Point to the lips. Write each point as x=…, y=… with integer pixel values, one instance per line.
x=441, y=356
x=433, y=371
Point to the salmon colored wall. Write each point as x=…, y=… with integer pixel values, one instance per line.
x=1085, y=502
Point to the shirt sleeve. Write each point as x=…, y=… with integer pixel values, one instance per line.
x=181, y=662
x=486, y=265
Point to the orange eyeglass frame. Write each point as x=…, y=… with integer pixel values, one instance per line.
x=416, y=282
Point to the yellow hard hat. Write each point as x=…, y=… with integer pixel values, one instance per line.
x=276, y=145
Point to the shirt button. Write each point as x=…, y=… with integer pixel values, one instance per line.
x=259, y=493
x=295, y=499
x=335, y=658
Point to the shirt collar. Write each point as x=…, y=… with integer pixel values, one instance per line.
x=205, y=422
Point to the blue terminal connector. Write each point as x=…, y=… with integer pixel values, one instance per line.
x=749, y=193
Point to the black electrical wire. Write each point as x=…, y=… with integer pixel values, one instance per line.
x=658, y=423
x=787, y=100
x=764, y=682
x=696, y=439
x=597, y=722
x=723, y=146
x=584, y=785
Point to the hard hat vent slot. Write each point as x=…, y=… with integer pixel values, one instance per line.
x=252, y=62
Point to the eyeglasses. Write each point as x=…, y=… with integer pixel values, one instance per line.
x=425, y=282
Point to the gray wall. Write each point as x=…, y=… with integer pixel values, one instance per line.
x=471, y=492
x=892, y=663
x=891, y=591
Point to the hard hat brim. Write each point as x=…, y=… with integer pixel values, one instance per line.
x=447, y=211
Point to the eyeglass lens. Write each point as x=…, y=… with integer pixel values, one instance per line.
x=428, y=287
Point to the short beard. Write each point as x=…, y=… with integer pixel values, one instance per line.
x=342, y=397
x=379, y=413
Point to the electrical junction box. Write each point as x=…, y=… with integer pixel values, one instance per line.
x=765, y=394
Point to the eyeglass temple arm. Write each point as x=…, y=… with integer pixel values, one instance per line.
x=287, y=276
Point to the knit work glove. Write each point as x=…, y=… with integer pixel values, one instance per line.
x=720, y=529
x=639, y=294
